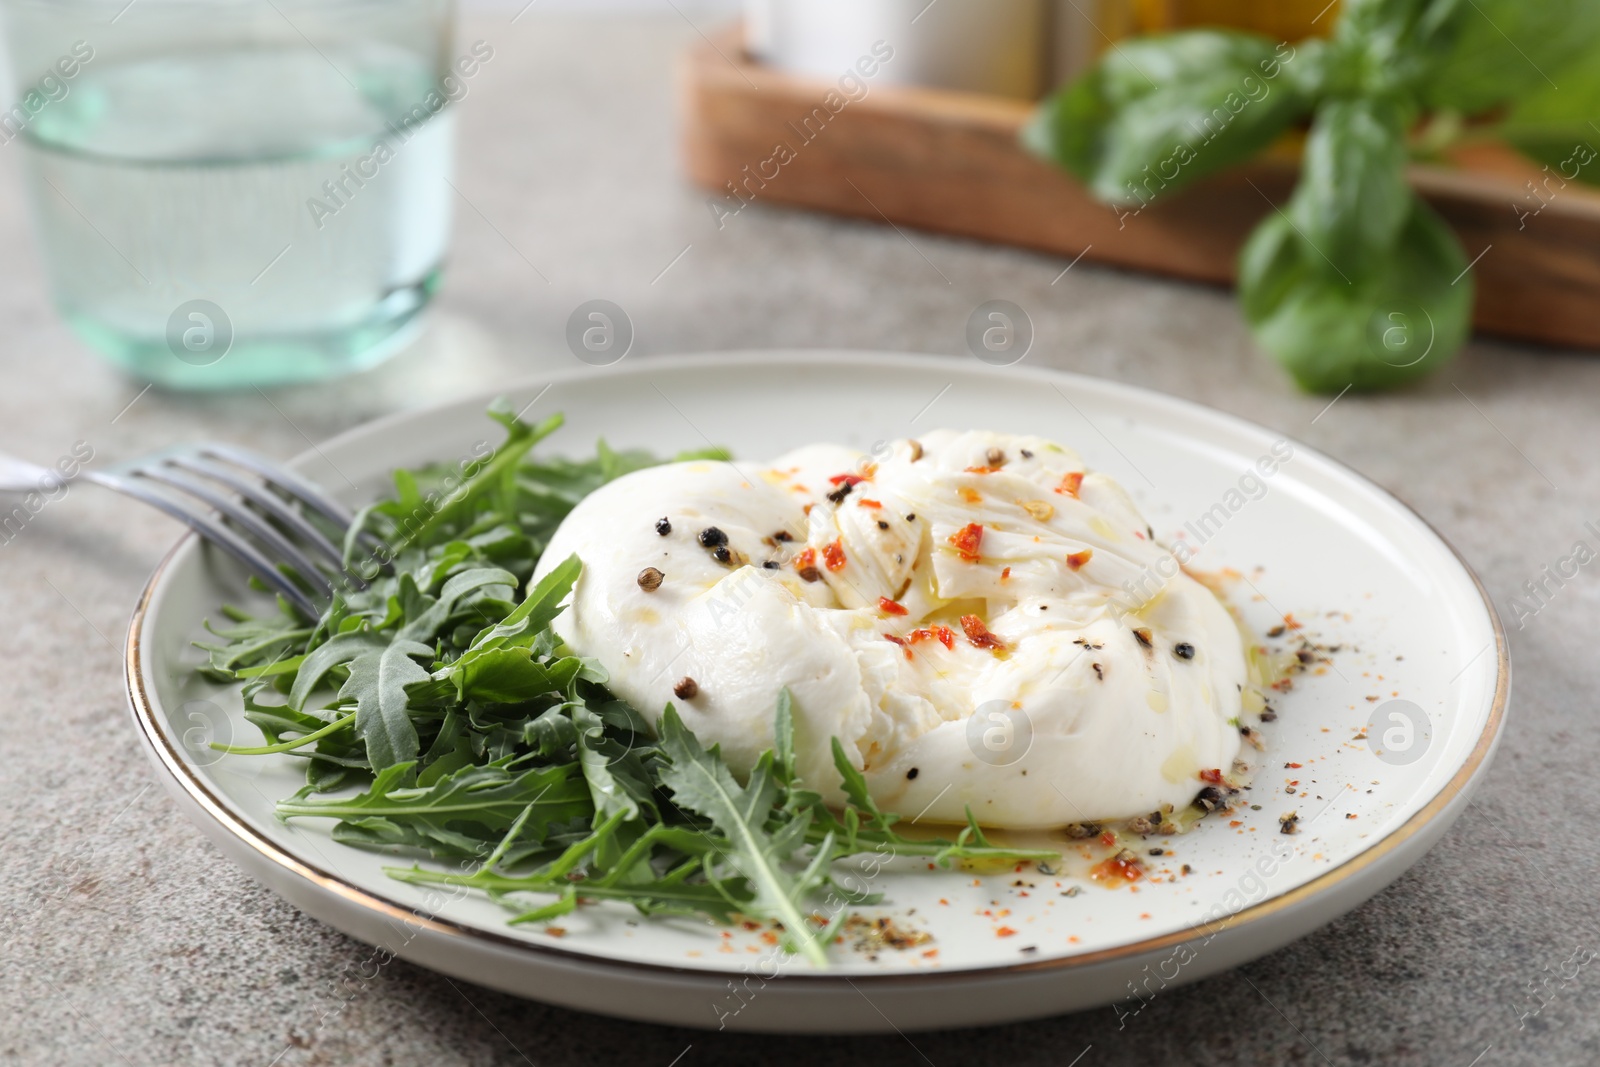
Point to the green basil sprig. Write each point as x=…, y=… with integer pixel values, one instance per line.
x=1354, y=283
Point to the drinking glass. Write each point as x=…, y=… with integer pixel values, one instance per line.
x=236, y=192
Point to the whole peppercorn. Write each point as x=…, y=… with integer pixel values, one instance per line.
x=687, y=689
x=711, y=537
x=1183, y=650
x=663, y=526
x=650, y=579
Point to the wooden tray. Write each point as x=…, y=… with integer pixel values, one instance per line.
x=950, y=162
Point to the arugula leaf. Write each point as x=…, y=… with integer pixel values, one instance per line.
x=537, y=610
x=429, y=621
x=499, y=665
x=465, y=731
x=337, y=652
x=377, y=684
x=701, y=782
x=460, y=810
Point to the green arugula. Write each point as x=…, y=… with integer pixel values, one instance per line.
x=439, y=716
x=1355, y=283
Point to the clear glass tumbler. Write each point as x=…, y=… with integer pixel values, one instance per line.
x=236, y=192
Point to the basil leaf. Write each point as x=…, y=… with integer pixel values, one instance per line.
x=1160, y=112
x=1505, y=49
x=1353, y=198
x=1381, y=329
x=1392, y=47
x=1561, y=129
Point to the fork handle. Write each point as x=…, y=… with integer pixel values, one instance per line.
x=20, y=476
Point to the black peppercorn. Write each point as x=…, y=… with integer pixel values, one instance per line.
x=663, y=527
x=1183, y=650
x=711, y=537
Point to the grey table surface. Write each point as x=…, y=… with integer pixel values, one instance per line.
x=128, y=939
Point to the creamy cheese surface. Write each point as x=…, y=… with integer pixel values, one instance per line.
x=978, y=619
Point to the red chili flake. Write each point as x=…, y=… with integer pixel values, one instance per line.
x=979, y=634
x=833, y=555
x=1214, y=776
x=1005, y=573
x=967, y=540
x=1296, y=766
x=1076, y=560
x=1117, y=868
x=1070, y=484
x=899, y=641
x=890, y=607
x=846, y=479
x=864, y=502
x=1291, y=623
x=1108, y=838
x=1004, y=931
x=556, y=931
x=943, y=634
x=806, y=558
x=981, y=470
x=970, y=495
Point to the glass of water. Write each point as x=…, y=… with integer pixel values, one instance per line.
x=237, y=192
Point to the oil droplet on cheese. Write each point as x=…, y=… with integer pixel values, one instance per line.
x=1180, y=765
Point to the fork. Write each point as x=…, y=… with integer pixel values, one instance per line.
x=234, y=499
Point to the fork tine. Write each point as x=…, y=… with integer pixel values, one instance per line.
x=218, y=534
x=258, y=527
x=267, y=501
x=306, y=491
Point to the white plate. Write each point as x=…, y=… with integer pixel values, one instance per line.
x=1356, y=566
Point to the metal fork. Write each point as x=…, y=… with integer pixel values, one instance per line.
x=236, y=500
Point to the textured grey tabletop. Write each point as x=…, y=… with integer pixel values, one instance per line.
x=128, y=939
